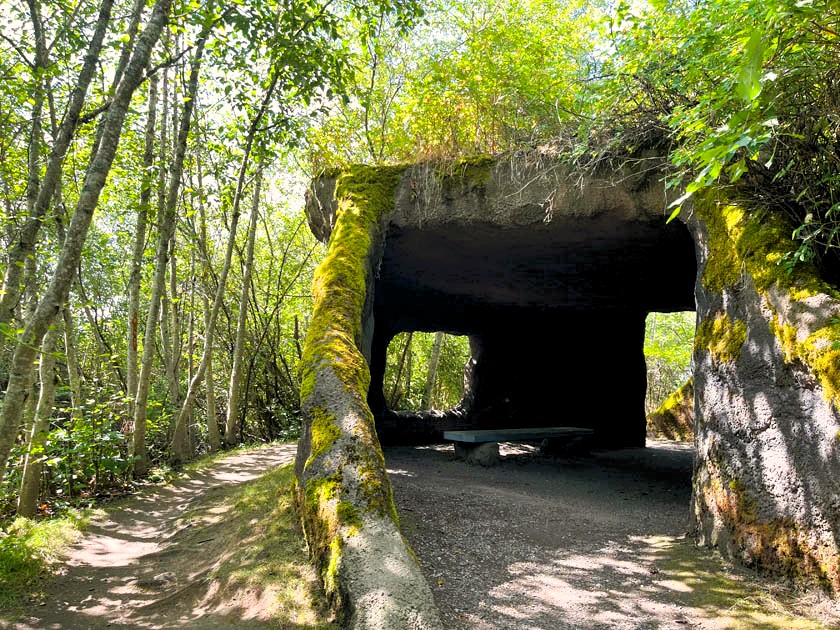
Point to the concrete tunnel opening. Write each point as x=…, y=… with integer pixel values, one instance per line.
x=572, y=264
x=555, y=315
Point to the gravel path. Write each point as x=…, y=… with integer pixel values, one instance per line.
x=587, y=542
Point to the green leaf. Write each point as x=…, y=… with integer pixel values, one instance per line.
x=674, y=214
x=749, y=79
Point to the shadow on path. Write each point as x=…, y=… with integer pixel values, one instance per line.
x=584, y=543
x=147, y=562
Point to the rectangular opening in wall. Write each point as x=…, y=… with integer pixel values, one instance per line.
x=669, y=339
x=425, y=370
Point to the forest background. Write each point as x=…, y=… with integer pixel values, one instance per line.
x=154, y=156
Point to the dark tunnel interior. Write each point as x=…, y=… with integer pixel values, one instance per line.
x=555, y=313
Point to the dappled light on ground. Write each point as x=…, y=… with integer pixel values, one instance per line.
x=185, y=555
x=578, y=542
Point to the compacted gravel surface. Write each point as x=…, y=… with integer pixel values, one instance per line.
x=594, y=541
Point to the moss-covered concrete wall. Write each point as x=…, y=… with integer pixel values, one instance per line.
x=767, y=353
x=767, y=377
x=343, y=492
x=674, y=419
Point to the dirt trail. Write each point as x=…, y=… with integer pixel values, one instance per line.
x=584, y=543
x=534, y=543
x=146, y=564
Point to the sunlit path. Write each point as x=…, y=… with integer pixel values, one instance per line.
x=147, y=562
x=579, y=543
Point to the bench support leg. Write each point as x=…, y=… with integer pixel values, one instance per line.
x=482, y=453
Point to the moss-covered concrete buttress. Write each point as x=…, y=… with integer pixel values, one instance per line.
x=523, y=242
x=767, y=378
x=343, y=492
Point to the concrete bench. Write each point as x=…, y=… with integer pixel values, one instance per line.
x=481, y=446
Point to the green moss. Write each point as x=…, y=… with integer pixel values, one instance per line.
x=322, y=489
x=348, y=514
x=777, y=545
x=722, y=269
x=469, y=172
x=674, y=419
x=324, y=432
x=755, y=242
x=365, y=196
x=330, y=568
x=821, y=350
x=722, y=337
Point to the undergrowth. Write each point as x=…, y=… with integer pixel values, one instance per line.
x=30, y=549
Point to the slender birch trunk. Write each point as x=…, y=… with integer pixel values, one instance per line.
x=168, y=228
x=24, y=245
x=396, y=394
x=166, y=225
x=73, y=371
x=71, y=252
x=232, y=423
x=131, y=372
x=214, y=438
x=31, y=480
x=431, y=375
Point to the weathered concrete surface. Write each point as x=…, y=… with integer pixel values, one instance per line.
x=674, y=419
x=766, y=483
x=538, y=266
x=343, y=492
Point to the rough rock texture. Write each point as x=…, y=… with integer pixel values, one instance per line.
x=674, y=419
x=343, y=492
x=540, y=267
x=767, y=354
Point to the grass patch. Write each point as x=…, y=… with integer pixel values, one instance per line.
x=705, y=583
x=270, y=554
x=30, y=550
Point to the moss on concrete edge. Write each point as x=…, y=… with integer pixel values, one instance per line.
x=756, y=242
x=674, y=419
x=722, y=337
x=342, y=486
x=777, y=545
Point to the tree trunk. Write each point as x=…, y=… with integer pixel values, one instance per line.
x=192, y=389
x=24, y=245
x=169, y=337
x=214, y=440
x=166, y=226
x=131, y=375
x=396, y=395
x=179, y=438
x=232, y=424
x=71, y=252
x=73, y=371
x=31, y=481
x=431, y=375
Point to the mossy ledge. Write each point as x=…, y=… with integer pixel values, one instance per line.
x=674, y=419
x=343, y=494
